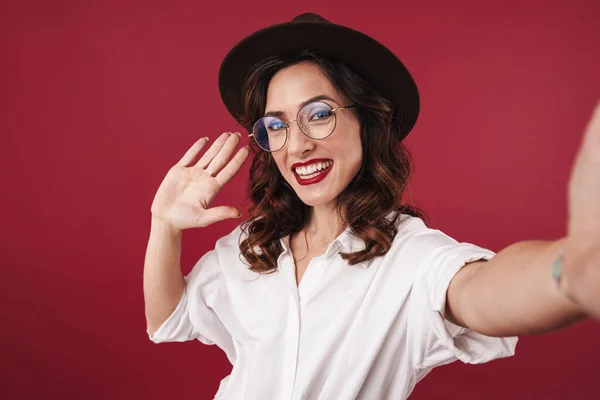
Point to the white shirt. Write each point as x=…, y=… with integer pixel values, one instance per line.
x=368, y=331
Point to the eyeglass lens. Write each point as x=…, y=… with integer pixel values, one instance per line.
x=316, y=120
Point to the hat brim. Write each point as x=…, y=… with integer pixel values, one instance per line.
x=370, y=59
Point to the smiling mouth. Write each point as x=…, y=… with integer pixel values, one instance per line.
x=312, y=174
x=316, y=173
x=312, y=170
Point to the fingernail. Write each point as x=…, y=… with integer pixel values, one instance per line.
x=239, y=134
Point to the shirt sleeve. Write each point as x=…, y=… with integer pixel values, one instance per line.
x=196, y=316
x=447, y=342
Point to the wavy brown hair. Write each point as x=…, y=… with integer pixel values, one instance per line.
x=374, y=192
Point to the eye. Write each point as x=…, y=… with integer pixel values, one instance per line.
x=320, y=114
x=276, y=125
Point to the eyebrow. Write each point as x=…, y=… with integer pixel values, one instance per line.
x=279, y=114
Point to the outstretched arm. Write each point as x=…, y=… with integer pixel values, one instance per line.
x=514, y=293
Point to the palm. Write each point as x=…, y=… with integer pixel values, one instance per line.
x=185, y=194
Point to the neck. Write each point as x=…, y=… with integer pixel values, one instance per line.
x=324, y=224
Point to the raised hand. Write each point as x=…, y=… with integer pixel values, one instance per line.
x=183, y=198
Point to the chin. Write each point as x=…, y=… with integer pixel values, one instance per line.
x=315, y=199
x=312, y=202
x=318, y=194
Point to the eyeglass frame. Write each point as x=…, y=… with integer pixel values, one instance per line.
x=287, y=126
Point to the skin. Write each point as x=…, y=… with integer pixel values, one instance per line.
x=287, y=90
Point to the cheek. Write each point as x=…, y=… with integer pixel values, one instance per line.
x=353, y=149
x=349, y=154
x=352, y=137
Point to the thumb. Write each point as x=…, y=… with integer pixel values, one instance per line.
x=216, y=214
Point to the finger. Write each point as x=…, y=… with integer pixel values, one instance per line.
x=192, y=152
x=219, y=161
x=217, y=214
x=233, y=166
x=213, y=150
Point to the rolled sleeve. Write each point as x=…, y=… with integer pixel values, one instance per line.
x=195, y=315
x=448, y=342
x=177, y=327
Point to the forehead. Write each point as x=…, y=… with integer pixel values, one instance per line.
x=291, y=86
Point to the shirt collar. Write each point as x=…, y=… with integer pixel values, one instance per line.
x=349, y=242
x=346, y=241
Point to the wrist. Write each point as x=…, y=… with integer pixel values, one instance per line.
x=162, y=227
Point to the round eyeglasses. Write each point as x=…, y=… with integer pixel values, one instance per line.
x=317, y=120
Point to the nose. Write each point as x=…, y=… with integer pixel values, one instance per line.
x=298, y=143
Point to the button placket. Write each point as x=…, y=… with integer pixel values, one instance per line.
x=290, y=357
x=299, y=294
x=292, y=333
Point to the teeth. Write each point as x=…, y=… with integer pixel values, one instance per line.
x=311, y=169
x=311, y=175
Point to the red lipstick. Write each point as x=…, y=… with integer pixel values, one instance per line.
x=314, y=179
x=314, y=160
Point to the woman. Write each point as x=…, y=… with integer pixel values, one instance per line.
x=334, y=288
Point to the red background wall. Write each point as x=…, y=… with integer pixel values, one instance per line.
x=99, y=99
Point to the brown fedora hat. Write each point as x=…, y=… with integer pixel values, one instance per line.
x=370, y=59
